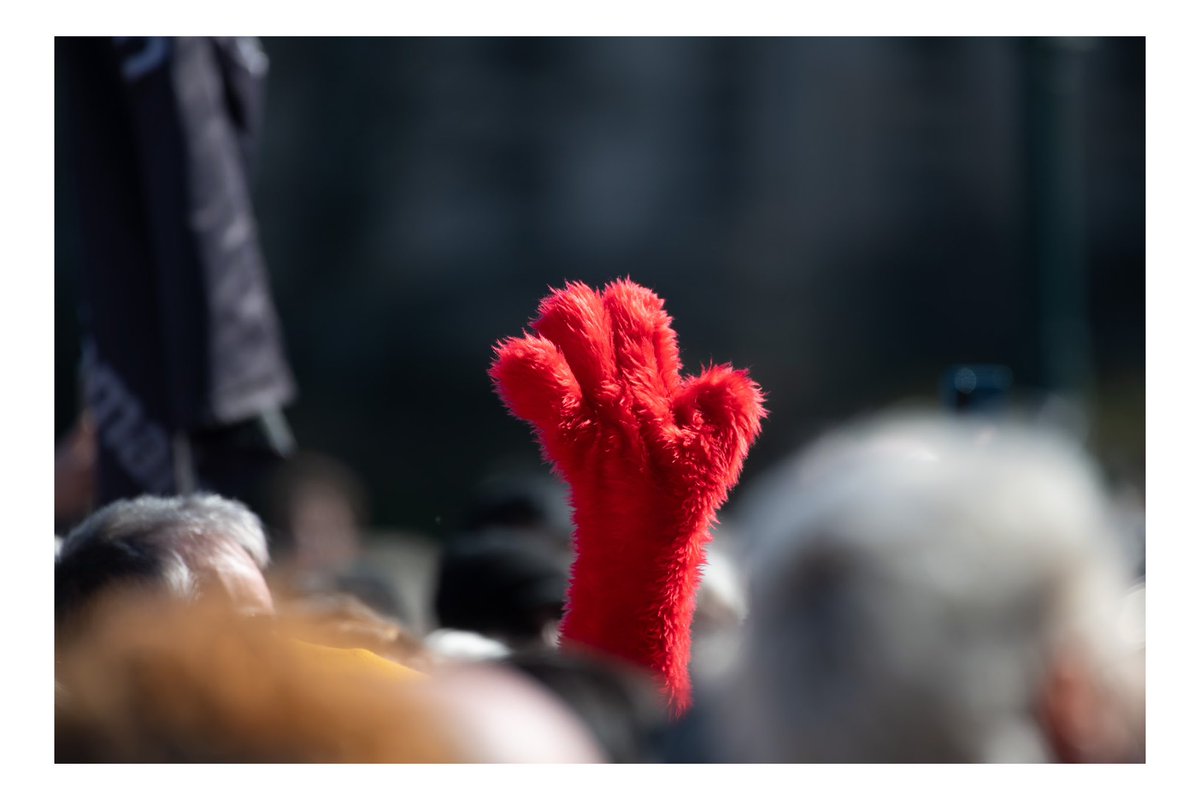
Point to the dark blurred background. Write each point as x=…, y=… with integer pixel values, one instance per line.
x=846, y=217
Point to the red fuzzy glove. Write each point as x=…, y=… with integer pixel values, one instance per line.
x=649, y=459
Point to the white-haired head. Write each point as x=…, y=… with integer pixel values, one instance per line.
x=186, y=546
x=917, y=584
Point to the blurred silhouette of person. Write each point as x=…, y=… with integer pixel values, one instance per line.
x=164, y=682
x=502, y=585
x=617, y=702
x=526, y=503
x=501, y=580
x=75, y=474
x=317, y=508
x=933, y=590
x=201, y=555
x=183, y=365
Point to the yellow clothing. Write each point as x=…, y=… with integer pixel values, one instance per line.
x=353, y=661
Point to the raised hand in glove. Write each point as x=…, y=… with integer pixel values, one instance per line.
x=649, y=457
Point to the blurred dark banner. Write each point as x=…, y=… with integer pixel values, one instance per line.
x=181, y=346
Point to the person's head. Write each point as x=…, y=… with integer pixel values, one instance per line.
x=316, y=508
x=619, y=704
x=192, y=547
x=504, y=585
x=187, y=682
x=534, y=504
x=933, y=589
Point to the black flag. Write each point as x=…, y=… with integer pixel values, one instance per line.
x=184, y=368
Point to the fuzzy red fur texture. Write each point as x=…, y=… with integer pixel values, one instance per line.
x=649, y=458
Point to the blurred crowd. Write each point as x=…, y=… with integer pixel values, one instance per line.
x=952, y=586
x=929, y=588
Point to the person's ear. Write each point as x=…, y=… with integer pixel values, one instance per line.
x=1081, y=718
x=1065, y=706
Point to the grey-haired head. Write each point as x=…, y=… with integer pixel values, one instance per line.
x=188, y=547
x=920, y=586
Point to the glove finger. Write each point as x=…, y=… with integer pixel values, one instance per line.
x=533, y=379
x=644, y=345
x=719, y=413
x=574, y=319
